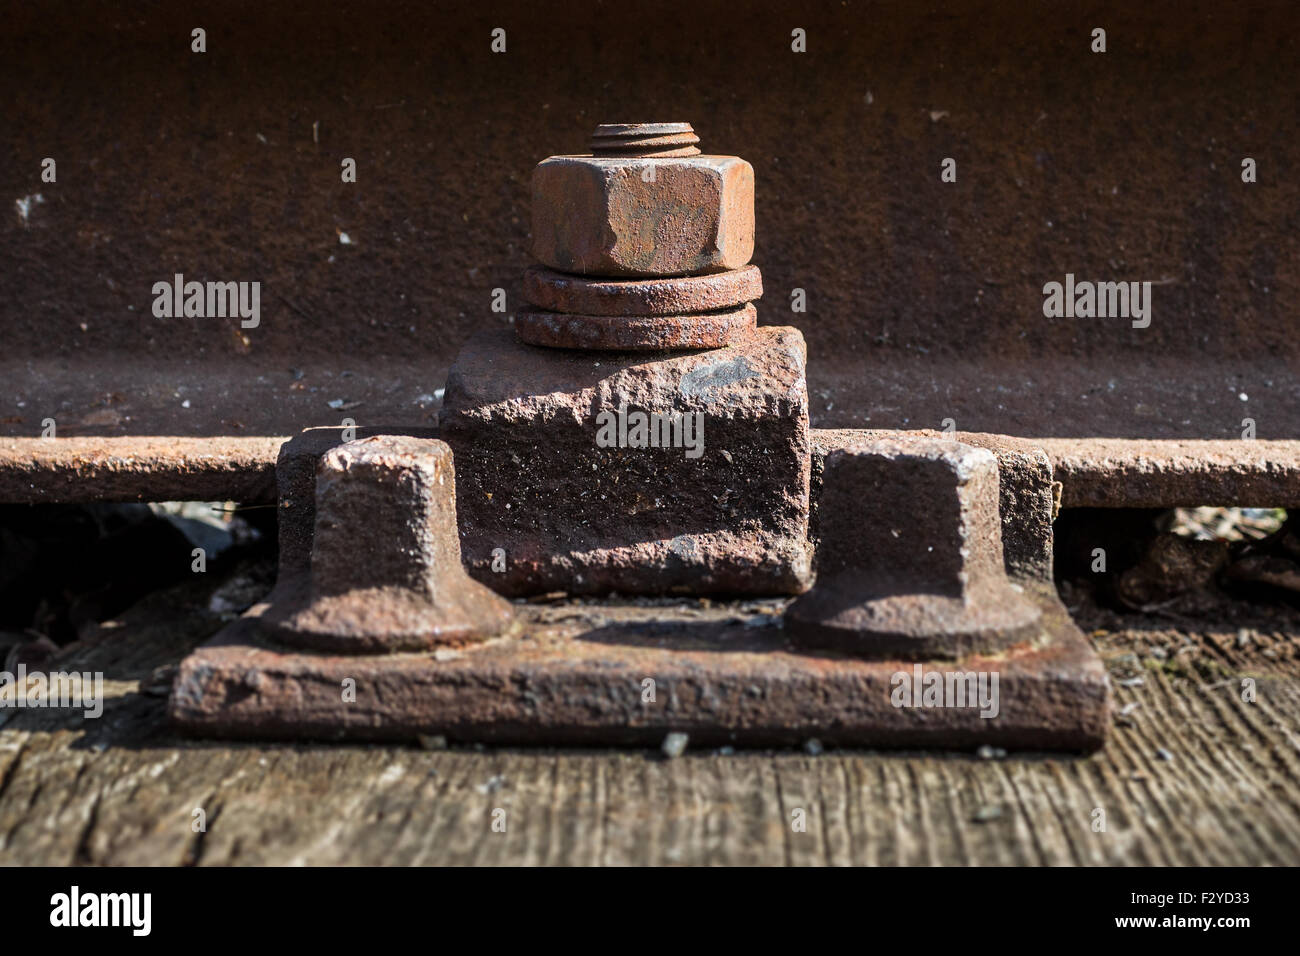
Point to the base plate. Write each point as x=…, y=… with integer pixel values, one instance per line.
x=575, y=673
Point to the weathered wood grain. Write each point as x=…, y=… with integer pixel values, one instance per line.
x=1192, y=775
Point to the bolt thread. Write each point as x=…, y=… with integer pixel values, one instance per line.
x=644, y=139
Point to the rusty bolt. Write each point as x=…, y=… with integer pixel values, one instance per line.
x=911, y=566
x=644, y=139
x=386, y=573
x=643, y=204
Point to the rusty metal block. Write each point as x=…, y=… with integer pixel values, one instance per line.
x=1028, y=494
x=643, y=215
x=386, y=573
x=682, y=295
x=649, y=515
x=912, y=565
x=635, y=333
x=1029, y=498
x=295, y=482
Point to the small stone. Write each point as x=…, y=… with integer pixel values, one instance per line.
x=159, y=682
x=35, y=655
x=1172, y=565
x=987, y=752
x=987, y=813
x=813, y=747
x=674, y=744
x=433, y=742
x=1164, y=754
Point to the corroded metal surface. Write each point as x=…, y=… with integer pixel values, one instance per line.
x=386, y=573
x=911, y=565
x=679, y=295
x=576, y=674
x=1113, y=473
x=1132, y=473
x=635, y=333
x=75, y=470
x=629, y=216
x=1100, y=473
x=1218, y=289
x=853, y=210
x=644, y=139
x=1028, y=495
x=671, y=218
x=546, y=471
x=295, y=477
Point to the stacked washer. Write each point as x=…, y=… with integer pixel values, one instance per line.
x=644, y=245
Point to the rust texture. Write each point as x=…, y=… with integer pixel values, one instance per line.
x=1167, y=474
x=77, y=470
x=681, y=295
x=576, y=675
x=295, y=477
x=586, y=515
x=1132, y=473
x=633, y=216
x=919, y=301
x=1027, y=492
x=644, y=139
x=659, y=209
x=1096, y=473
x=636, y=333
x=924, y=298
x=911, y=566
x=386, y=572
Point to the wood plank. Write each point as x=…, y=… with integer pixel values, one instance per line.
x=122, y=789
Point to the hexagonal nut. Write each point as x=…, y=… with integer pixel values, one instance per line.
x=643, y=217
